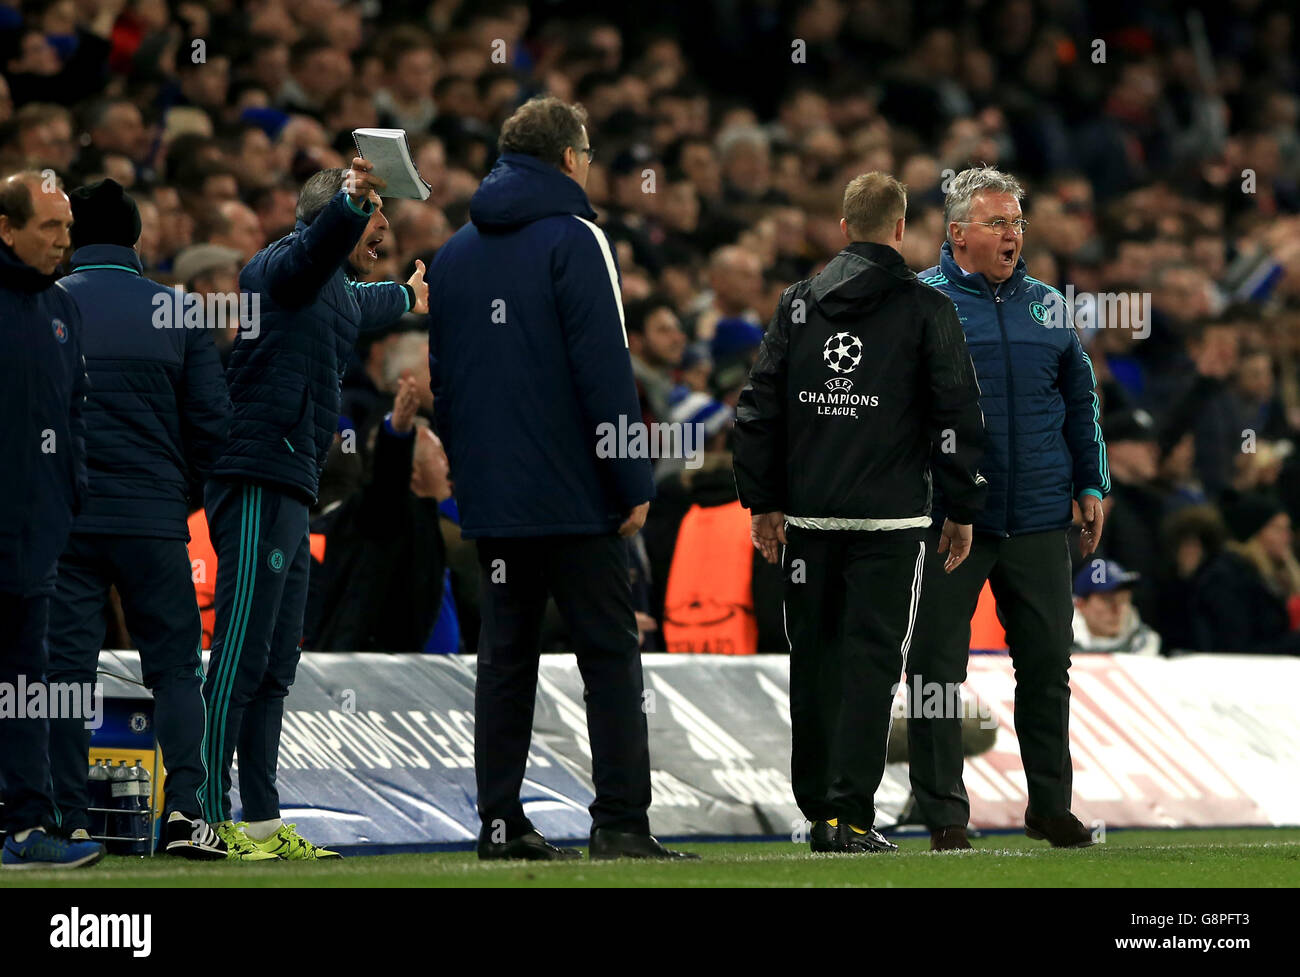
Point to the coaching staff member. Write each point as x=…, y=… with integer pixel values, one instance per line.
x=284, y=378
x=862, y=372
x=42, y=387
x=1045, y=450
x=156, y=418
x=528, y=358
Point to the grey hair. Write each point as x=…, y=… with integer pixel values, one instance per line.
x=968, y=184
x=406, y=352
x=318, y=191
x=741, y=135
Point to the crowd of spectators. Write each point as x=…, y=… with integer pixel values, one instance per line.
x=1158, y=144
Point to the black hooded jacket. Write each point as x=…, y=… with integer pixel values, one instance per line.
x=863, y=385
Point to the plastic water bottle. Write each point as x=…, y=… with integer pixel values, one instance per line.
x=99, y=797
x=140, y=822
x=122, y=786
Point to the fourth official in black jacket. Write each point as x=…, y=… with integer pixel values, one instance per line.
x=862, y=393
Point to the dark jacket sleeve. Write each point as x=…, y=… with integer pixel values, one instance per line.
x=382, y=303
x=385, y=507
x=77, y=415
x=956, y=423
x=591, y=316
x=759, y=440
x=297, y=267
x=1083, y=419
x=204, y=404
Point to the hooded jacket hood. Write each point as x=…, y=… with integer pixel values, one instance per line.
x=21, y=277
x=522, y=189
x=859, y=278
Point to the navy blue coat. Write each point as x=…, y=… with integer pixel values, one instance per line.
x=158, y=412
x=285, y=371
x=528, y=358
x=42, y=441
x=1037, y=391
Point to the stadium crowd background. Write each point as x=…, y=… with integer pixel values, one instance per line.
x=724, y=134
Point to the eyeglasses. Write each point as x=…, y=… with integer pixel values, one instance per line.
x=1001, y=224
x=591, y=153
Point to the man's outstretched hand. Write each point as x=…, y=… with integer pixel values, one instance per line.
x=421, y=288
x=955, y=540
x=767, y=530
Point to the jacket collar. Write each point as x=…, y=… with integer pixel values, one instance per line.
x=114, y=256
x=976, y=283
x=20, y=276
x=883, y=255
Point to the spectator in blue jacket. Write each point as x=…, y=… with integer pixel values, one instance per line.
x=1045, y=452
x=529, y=363
x=284, y=374
x=156, y=419
x=42, y=386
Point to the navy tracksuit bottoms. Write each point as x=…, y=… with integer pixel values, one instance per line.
x=154, y=582
x=24, y=758
x=260, y=533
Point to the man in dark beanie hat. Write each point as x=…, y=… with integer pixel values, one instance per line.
x=146, y=469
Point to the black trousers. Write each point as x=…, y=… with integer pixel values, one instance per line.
x=24, y=741
x=153, y=579
x=588, y=577
x=850, y=603
x=1030, y=577
x=263, y=559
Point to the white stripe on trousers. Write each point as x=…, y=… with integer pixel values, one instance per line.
x=917, y=573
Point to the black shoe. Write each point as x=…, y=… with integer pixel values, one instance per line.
x=821, y=837
x=1063, y=831
x=951, y=838
x=606, y=843
x=192, y=838
x=849, y=841
x=531, y=847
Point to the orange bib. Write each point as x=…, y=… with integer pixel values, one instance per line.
x=709, y=604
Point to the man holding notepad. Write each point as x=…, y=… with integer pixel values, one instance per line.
x=284, y=380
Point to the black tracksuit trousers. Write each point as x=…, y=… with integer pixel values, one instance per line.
x=850, y=606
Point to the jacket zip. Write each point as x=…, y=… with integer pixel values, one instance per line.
x=1011, y=416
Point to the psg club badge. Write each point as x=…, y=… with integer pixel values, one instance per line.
x=60, y=330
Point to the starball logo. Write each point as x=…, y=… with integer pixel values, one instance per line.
x=842, y=353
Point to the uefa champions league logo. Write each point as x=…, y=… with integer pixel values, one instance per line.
x=842, y=352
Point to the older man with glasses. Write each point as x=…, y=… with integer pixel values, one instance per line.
x=1045, y=451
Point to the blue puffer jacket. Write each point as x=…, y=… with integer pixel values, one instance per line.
x=286, y=367
x=42, y=434
x=528, y=359
x=1045, y=445
x=158, y=411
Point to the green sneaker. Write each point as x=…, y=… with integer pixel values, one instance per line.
x=286, y=843
x=240, y=847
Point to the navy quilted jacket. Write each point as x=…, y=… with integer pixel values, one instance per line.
x=529, y=362
x=42, y=442
x=1045, y=446
x=157, y=413
x=286, y=368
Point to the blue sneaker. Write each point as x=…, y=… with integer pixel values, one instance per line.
x=42, y=850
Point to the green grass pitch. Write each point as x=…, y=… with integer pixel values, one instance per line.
x=1249, y=858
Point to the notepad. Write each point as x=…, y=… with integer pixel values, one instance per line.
x=388, y=150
